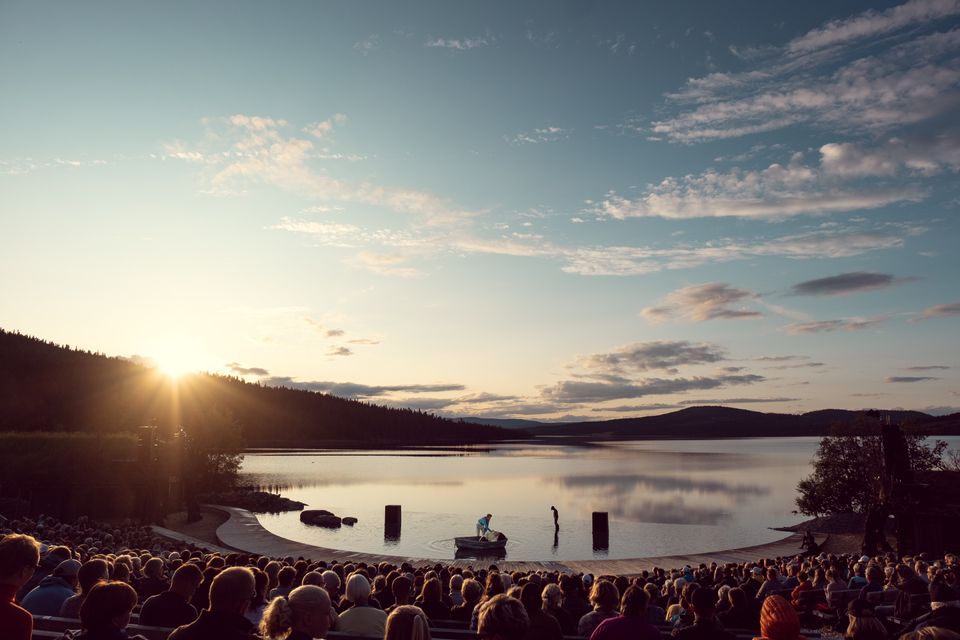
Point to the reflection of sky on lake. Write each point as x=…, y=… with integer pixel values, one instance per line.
x=663, y=497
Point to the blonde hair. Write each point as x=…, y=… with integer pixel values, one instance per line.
x=18, y=551
x=283, y=613
x=407, y=622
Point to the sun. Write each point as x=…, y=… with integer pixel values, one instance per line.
x=175, y=362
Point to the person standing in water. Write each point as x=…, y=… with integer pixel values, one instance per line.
x=556, y=517
x=483, y=525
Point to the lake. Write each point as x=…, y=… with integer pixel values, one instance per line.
x=664, y=497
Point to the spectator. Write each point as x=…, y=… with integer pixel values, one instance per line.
x=502, y=618
x=740, y=614
x=258, y=604
x=172, y=608
x=804, y=585
x=779, y=620
x=230, y=595
x=304, y=614
x=605, y=598
x=105, y=613
x=944, y=608
x=909, y=584
x=655, y=613
x=153, y=581
x=456, y=583
x=875, y=579
x=48, y=597
x=863, y=624
x=632, y=623
x=53, y=557
x=407, y=622
x=541, y=625
x=705, y=625
x=471, y=591
x=401, y=590
x=552, y=598
x=573, y=601
x=19, y=558
x=431, y=601
x=91, y=572
x=284, y=583
x=361, y=619
x=771, y=584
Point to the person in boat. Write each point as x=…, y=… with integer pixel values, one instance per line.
x=483, y=525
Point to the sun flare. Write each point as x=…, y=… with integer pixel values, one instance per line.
x=175, y=363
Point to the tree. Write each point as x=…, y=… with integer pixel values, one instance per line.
x=847, y=472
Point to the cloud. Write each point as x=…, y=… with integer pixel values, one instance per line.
x=834, y=242
x=339, y=351
x=909, y=378
x=357, y=390
x=802, y=365
x=941, y=311
x=369, y=341
x=914, y=155
x=240, y=370
x=776, y=192
x=251, y=150
x=908, y=79
x=544, y=134
x=872, y=23
x=648, y=356
x=931, y=367
x=575, y=391
x=699, y=303
x=845, y=283
x=457, y=44
x=715, y=401
x=826, y=326
x=325, y=127
x=323, y=330
x=387, y=264
x=632, y=408
x=368, y=45
x=780, y=358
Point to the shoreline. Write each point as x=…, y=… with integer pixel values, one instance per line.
x=242, y=531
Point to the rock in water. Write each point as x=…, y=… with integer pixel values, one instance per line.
x=350, y=521
x=320, y=518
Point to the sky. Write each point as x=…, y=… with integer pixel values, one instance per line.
x=547, y=210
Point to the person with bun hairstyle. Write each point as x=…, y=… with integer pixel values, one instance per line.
x=302, y=615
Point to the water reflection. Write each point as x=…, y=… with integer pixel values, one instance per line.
x=663, y=497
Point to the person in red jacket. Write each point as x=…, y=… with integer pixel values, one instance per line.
x=19, y=557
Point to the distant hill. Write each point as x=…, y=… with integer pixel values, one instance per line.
x=506, y=423
x=727, y=422
x=47, y=387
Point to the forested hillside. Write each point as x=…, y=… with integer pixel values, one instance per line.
x=47, y=387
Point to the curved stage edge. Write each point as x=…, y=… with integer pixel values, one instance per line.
x=243, y=532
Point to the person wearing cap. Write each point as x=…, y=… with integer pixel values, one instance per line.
x=48, y=597
x=944, y=609
x=483, y=525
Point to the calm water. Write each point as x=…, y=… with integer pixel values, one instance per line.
x=663, y=497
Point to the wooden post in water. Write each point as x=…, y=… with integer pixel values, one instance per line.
x=391, y=522
x=601, y=531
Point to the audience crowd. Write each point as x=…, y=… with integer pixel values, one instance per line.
x=106, y=575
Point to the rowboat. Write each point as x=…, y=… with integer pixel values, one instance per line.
x=475, y=544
